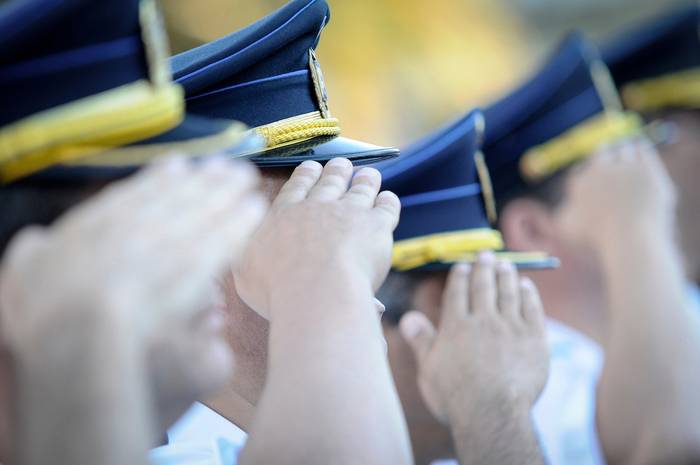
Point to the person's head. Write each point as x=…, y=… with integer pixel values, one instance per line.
x=530, y=219
x=654, y=67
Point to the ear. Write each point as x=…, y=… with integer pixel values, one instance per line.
x=527, y=224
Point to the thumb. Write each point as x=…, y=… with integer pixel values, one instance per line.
x=419, y=332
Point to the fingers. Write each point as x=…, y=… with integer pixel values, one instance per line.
x=483, y=284
x=387, y=206
x=532, y=309
x=419, y=333
x=364, y=188
x=334, y=181
x=297, y=188
x=24, y=244
x=508, y=289
x=455, y=301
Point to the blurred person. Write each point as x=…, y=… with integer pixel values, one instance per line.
x=572, y=108
x=121, y=339
x=482, y=370
x=648, y=407
x=655, y=68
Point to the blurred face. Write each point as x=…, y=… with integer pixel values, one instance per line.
x=189, y=361
x=682, y=159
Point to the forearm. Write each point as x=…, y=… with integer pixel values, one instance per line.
x=496, y=437
x=83, y=398
x=329, y=397
x=652, y=349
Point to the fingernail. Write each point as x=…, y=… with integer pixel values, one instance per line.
x=463, y=268
x=487, y=257
x=339, y=162
x=527, y=283
x=367, y=173
x=505, y=265
x=310, y=164
x=381, y=308
x=410, y=326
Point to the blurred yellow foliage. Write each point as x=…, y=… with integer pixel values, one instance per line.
x=395, y=69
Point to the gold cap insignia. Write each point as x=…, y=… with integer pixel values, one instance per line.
x=319, y=84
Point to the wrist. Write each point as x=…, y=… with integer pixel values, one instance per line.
x=326, y=289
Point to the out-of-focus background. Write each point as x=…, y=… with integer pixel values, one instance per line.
x=397, y=69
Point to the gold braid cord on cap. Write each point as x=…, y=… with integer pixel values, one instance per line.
x=298, y=129
x=578, y=143
x=676, y=90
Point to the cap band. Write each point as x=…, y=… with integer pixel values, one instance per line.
x=680, y=89
x=577, y=143
x=86, y=126
x=443, y=247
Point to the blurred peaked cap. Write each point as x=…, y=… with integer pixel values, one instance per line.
x=446, y=199
x=267, y=76
x=657, y=64
x=559, y=116
x=79, y=78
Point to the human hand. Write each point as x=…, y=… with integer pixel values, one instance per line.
x=489, y=355
x=143, y=251
x=620, y=188
x=318, y=232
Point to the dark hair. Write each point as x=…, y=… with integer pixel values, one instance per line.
x=25, y=204
x=398, y=291
x=549, y=192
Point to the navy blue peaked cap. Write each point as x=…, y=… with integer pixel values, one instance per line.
x=657, y=64
x=268, y=77
x=446, y=200
x=48, y=48
x=559, y=116
x=90, y=81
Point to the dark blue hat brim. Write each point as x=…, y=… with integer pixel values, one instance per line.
x=547, y=263
x=360, y=153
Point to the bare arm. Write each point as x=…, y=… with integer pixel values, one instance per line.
x=329, y=396
x=648, y=393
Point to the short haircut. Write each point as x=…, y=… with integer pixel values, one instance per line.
x=549, y=192
x=398, y=293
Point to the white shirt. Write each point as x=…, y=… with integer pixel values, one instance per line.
x=564, y=415
x=201, y=437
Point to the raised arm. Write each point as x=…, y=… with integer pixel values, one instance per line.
x=313, y=269
x=648, y=404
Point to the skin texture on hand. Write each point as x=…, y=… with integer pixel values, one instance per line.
x=647, y=397
x=121, y=331
x=298, y=227
x=329, y=396
x=485, y=366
